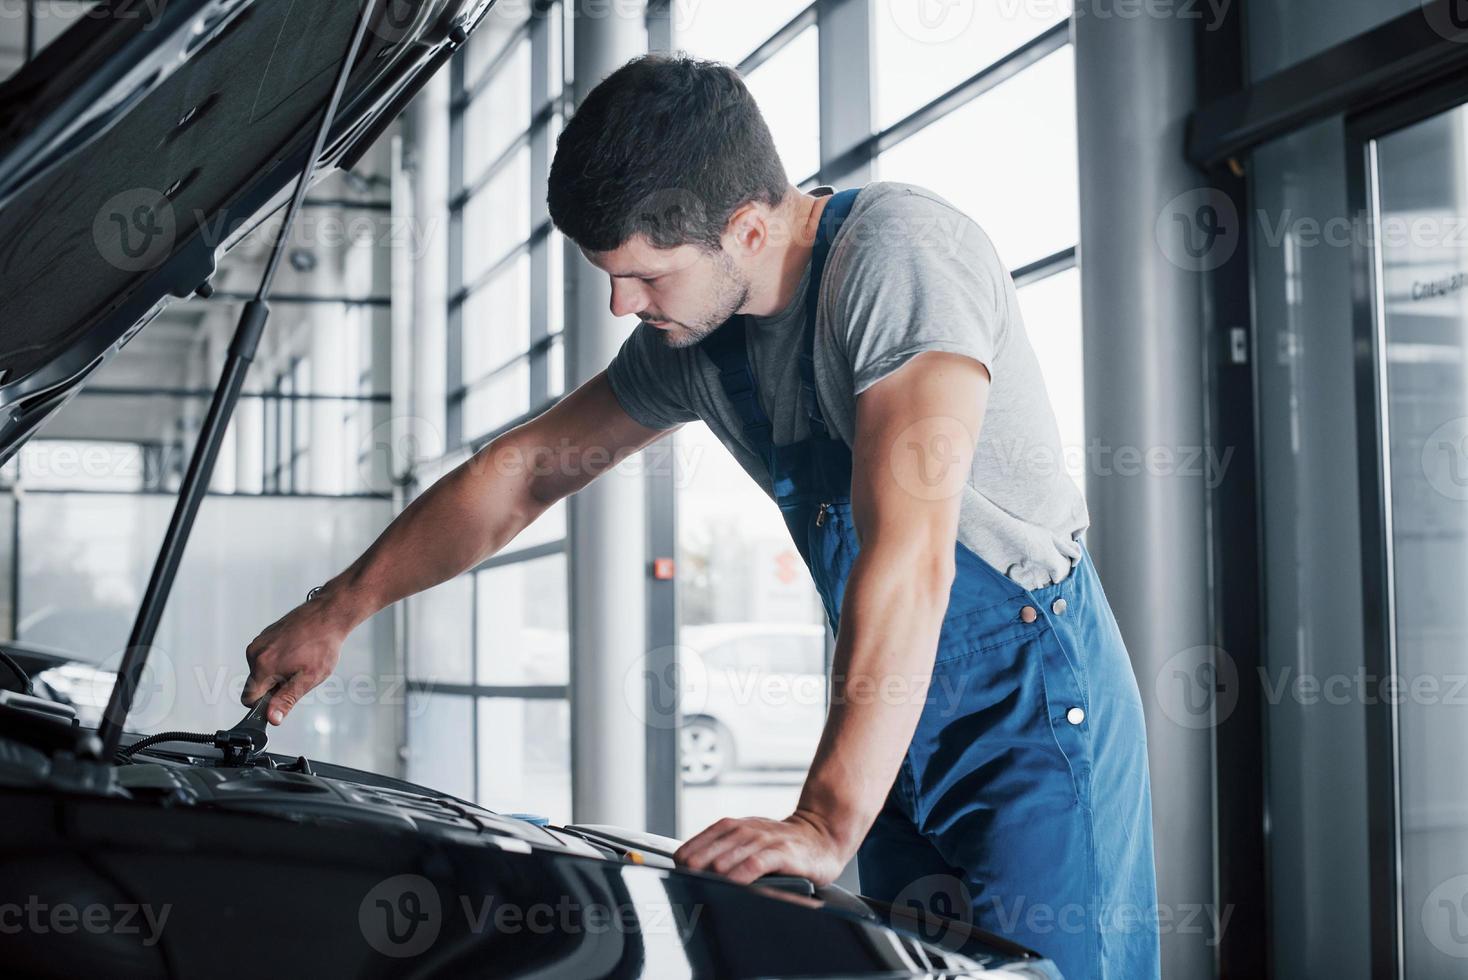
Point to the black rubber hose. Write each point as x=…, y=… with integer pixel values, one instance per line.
x=127, y=752
x=20, y=673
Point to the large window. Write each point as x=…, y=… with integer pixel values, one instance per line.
x=489, y=652
x=505, y=307
x=489, y=657
x=999, y=143
x=925, y=50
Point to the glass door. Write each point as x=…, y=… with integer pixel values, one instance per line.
x=1413, y=400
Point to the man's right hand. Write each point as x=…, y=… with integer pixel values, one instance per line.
x=297, y=651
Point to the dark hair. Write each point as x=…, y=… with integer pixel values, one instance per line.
x=668, y=147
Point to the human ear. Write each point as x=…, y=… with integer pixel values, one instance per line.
x=747, y=232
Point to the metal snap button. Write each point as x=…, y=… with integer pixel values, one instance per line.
x=1028, y=614
x=1058, y=606
x=1075, y=715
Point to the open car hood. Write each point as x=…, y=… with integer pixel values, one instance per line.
x=153, y=135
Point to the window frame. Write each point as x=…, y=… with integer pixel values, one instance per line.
x=547, y=30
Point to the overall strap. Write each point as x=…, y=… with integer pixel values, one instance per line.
x=726, y=348
x=837, y=208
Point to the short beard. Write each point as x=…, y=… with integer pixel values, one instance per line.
x=732, y=291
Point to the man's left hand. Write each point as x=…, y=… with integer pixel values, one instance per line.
x=746, y=848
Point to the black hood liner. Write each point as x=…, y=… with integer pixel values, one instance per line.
x=193, y=115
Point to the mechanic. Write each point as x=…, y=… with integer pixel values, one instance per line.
x=863, y=356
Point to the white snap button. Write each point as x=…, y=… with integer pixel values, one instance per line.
x=1075, y=715
x=1058, y=606
x=1028, y=614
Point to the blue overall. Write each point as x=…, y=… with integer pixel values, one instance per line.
x=1022, y=804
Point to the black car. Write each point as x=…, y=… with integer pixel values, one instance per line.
x=186, y=854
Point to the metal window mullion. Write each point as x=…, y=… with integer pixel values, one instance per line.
x=660, y=26
x=523, y=692
x=540, y=119
x=454, y=344
x=105, y=391
x=15, y=596
x=298, y=299
x=303, y=495
x=491, y=170
x=531, y=553
x=478, y=442
x=279, y=445
x=454, y=328
x=30, y=30
x=541, y=148
x=465, y=94
x=528, y=355
x=663, y=785
x=984, y=80
x=778, y=41
x=844, y=45
x=461, y=295
x=1044, y=268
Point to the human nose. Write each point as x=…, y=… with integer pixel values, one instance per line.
x=626, y=298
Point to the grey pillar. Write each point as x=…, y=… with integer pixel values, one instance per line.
x=606, y=535
x=1144, y=391
x=664, y=782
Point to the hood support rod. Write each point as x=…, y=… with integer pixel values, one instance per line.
x=211, y=435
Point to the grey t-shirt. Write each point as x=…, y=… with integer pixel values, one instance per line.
x=907, y=273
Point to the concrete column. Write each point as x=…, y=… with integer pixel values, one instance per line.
x=223, y=479
x=607, y=537
x=249, y=446
x=1144, y=391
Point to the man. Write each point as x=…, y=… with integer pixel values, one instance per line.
x=863, y=356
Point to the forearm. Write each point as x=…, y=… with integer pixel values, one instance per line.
x=891, y=617
x=466, y=516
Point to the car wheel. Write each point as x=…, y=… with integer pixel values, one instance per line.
x=706, y=751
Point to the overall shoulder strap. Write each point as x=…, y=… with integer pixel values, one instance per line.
x=837, y=208
x=726, y=347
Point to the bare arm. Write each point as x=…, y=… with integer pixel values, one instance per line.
x=915, y=436
x=914, y=452
x=466, y=516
